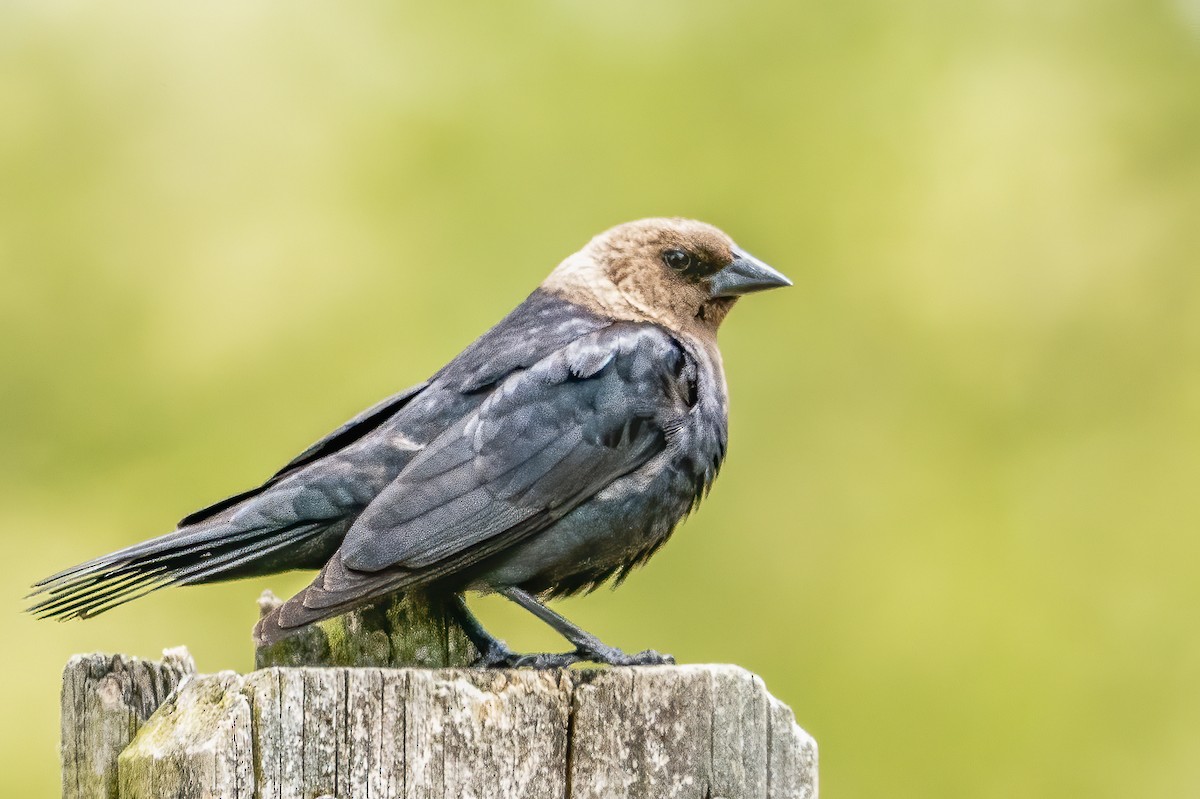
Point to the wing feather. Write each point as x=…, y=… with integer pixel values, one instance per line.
x=546, y=439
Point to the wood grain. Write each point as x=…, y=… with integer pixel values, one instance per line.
x=668, y=731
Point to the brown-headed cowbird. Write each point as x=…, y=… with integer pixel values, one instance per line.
x=557, y=451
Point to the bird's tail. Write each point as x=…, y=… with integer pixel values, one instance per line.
x=200, y=554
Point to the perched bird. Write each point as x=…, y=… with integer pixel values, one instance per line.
x=557, y=451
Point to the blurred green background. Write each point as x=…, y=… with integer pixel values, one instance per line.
x=957, y=529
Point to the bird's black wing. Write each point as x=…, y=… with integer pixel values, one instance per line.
x=547, y=439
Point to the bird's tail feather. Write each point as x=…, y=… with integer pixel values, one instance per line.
x=183, y=557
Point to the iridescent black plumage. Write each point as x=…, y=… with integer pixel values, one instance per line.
x=557, y=451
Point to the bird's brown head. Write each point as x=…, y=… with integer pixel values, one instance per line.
x=679, y=273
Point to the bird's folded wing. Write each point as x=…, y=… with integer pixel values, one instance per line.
x=548, y=438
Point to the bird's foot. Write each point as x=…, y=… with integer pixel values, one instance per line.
x=590, y=648
x=612, y=656
x=507, y=659
x=547, y=660
x=501, y=657
x=495, y=654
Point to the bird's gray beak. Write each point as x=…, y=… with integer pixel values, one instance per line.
x=745, y=275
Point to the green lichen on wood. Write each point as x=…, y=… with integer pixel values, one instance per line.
x=413, y=630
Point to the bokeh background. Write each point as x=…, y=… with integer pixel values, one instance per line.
x=957, y=530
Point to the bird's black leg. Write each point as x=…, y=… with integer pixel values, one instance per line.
x=587, y=646
x=494, y=653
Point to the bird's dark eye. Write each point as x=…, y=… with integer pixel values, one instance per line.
x=678, y=259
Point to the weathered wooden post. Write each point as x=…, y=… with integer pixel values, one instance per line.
x=105, y=700
x=332, y=714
